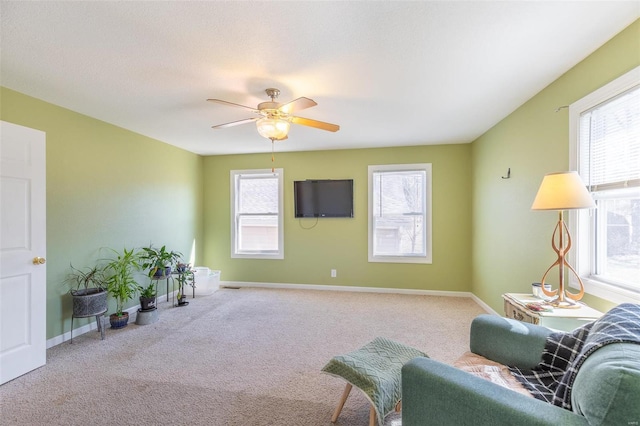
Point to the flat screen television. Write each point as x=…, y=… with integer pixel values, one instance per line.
x=323, y=198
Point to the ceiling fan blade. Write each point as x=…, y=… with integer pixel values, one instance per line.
x=234, y=123
x=220, y=101
x=297, y=105
x=315, y=123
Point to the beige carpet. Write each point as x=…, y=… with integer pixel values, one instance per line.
x=237, y=357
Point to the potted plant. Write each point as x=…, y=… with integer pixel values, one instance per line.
x=89, y=294
x=88, y=291
x=159, y=262
x=184, y=276
x=121, y=283
x=147, y=298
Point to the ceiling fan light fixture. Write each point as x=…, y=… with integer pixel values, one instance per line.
x=274, y=119
x=273, y=128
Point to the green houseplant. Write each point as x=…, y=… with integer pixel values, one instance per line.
x=121, y=284
x=184, y=276
x=88, y=290
x=147, y=297
x=159, y=262
x=89, y=294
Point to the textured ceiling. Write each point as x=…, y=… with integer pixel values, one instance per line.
x=389, y=73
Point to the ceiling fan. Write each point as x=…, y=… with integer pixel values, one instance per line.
x=274, y=119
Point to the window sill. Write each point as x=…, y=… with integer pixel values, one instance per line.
x=609, y=292
x=400, y=259
x=278, y=256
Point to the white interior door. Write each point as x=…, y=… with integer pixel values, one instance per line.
x=22, y=251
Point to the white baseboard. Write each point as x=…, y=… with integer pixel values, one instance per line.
x=483, y=305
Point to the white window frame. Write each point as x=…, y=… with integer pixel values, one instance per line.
x=427, y=217
x=580, y=220
x=279, y=254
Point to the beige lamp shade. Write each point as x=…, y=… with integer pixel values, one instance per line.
x=562, y=191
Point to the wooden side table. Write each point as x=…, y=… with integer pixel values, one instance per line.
x=559, y=319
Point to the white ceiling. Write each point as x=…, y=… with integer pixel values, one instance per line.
x=390, y=73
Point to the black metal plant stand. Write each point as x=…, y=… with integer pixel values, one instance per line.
x=99, y=322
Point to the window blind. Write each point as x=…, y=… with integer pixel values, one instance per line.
x=257, y=194
x=611, y=160
x=399, y=192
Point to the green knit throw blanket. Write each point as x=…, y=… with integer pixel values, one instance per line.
x=375, y=370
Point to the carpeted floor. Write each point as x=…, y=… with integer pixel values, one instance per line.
x=240, y=357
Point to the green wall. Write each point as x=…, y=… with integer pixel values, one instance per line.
x=107, y=187
x=512, y=244
x=341, y=244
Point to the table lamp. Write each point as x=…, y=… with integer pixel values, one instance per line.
x=562, y=191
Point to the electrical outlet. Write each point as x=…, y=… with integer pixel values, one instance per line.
x=334, y=273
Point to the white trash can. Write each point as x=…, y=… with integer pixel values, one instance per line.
x=206, y=280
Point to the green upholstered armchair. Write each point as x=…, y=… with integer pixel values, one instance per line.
x=606, y=390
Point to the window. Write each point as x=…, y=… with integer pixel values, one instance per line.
x=256, y=214
x=400, y=213
x=605, y=149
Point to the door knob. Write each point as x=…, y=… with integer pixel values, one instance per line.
x=39, y=260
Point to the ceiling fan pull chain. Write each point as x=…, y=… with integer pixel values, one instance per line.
x=272, y=156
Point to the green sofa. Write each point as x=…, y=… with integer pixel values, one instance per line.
x=606, y=390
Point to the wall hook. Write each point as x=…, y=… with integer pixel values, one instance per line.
x=508, y=174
